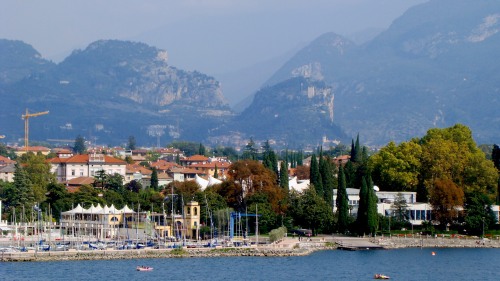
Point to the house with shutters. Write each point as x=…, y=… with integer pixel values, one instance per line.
x=68, y=166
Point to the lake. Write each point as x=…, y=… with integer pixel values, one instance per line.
x=401, y=264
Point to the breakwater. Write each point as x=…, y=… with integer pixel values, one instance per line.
x=397, y=242
x=285, y=248
x=154, y=253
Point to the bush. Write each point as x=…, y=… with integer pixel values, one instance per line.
x=277, y=234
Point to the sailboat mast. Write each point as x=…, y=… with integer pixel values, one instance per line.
x=257, y=226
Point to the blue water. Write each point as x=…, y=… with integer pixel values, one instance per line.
x=404, y=264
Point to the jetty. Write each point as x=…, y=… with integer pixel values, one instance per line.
x=356, y=244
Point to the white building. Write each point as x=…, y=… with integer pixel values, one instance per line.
x=85, y=165
x=416, y=213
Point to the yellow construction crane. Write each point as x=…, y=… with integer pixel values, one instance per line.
x=26, y=118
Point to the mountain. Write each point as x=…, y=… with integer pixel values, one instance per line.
x=19, y=60
x=294, y=113
x=433, y=67
x=112, y=90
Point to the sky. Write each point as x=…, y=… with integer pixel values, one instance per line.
x=211, y=36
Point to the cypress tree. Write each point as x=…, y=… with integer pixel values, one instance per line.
x=372, y=208
x=316, y=176
x=269, y=159
x=131, y=145
x=362, y=218
x=342, y=203
x=358, y=156
x=495, y=157
x=326, y=171
x=154, y=179
x=216, y=172
x=353, y=151
x=300, y=158
x=284, y=175
x=201, y=149
x=350, y=174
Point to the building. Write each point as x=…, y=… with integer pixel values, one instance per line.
x=35, y=149
x=186, y=225
x=416, y=212
x=7, y=173
x=85, y=165
x=112, y=223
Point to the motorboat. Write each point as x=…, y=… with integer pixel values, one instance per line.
x=381, y=276
x=144, y=268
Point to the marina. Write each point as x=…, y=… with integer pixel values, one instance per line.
x=401, y=264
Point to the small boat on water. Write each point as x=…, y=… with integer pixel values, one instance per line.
x=144, y=268
x=381, y=276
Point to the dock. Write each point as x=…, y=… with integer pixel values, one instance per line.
x=356, y=244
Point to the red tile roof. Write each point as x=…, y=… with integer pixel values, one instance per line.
x=135, y=168
x=84, y=158
x=195, y=158
x=6, y=161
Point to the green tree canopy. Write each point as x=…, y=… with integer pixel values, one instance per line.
x=396, y=168
x=79, y=146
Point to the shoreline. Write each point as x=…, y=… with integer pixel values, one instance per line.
x=287, y=247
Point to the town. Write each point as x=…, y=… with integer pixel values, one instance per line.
x=188, y=195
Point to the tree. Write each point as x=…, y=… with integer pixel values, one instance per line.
x=342, y=202
x=397, y=168
x=216, y=172
x=58, y=199
x=269, y=159
x=4, y=151
x=372, y=211
x=479, y=215
x=134, y=186
x=79, y=146
x=362, y=218
x=154, y=179
x=367, y=220
x=400, y=207
x=22, y=190
x=284, y=175
x=328, y=181
x=131, y=145
x=353, y=151
x=100, y=179
x=202, y=150
x=87, y=196
x=302, y=172
x=39, y=173
x=317, y=215
x=250, y=152
x=446, y=199
x=495, y=157
x=451, y=153
x=316, y=180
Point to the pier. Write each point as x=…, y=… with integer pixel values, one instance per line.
x=355, y=244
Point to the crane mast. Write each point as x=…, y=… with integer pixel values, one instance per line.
x=26, y=118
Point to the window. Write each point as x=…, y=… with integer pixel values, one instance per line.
x=72, y=172
x=195, y=210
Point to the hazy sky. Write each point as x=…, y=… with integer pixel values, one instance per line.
x=212, y=36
